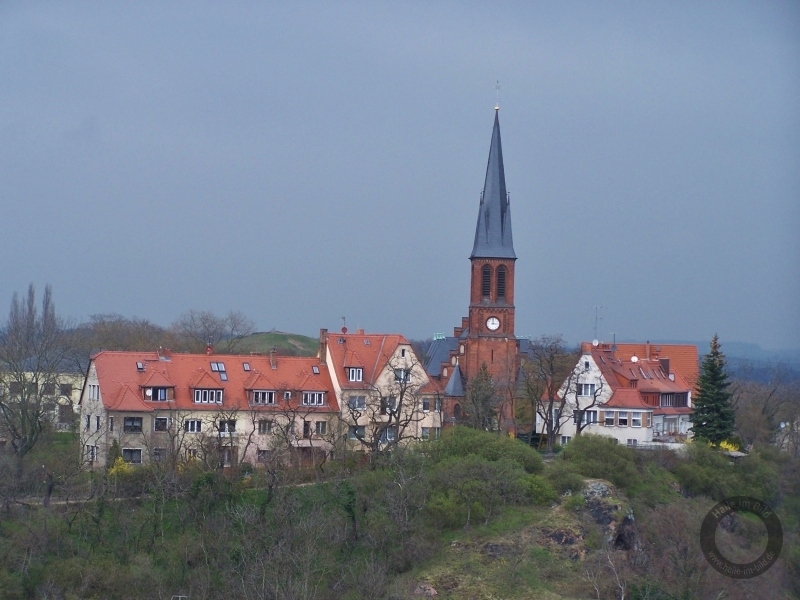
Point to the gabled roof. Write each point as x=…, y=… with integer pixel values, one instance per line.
x=493, y=230
x=626, y=398
x=683, y=358
x=122, y=383
x=372, y=351
x=438, y=353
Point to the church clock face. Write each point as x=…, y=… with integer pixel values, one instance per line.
x=493, y=323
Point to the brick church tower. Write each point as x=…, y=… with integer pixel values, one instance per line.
x=491, y=338
x=486, y=335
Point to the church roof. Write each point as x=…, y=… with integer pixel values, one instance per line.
x=493, y=231
x=455, y=387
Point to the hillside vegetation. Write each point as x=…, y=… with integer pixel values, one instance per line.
x=286, y=344
x=472, y=515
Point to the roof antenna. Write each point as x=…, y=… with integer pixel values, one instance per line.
x=497, y=94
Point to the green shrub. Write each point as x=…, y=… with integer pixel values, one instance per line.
x=575, y=502
x=538, y=490
x=464, y=441
x=563, y=477
x=601, y=457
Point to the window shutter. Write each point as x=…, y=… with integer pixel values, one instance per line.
x=601, y=418
x=170, y=393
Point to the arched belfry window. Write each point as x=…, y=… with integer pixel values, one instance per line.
x=457, y=411
x=501, y=282
x=486, y=281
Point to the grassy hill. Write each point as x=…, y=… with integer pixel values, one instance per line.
x=287, y=344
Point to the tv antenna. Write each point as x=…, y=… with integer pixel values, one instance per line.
x=597, y=318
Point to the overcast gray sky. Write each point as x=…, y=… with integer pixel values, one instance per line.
x=301, y=161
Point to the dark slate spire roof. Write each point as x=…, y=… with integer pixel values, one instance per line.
x=455, y=387
x=493, y=232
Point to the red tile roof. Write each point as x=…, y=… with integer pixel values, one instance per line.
x=370, y=351
x=122, y=384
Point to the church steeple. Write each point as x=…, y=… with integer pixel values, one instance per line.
x=493, y=231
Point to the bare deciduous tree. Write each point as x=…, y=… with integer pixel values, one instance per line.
x=34, y=347
x=545, y=369
x=197, y=329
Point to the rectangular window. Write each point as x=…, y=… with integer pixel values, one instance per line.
x=388, y=405
x=633, y=442
x=159, y=454
x=565, y=439
x=649, y=419
x=306, y=429
x=264, y=426
x=94, y=392
x=437, y=431
x=426, y=404
x=208, y=396
x=246, y=366
x=609, y=420
x=313, y=398
x=191, y=453
x=156, y=394
x=49, y=388
x=287, y=395
x=355, y=374
x=357, y=432
x=227, y=426
x=388, y=434
x=65, y=413
x=263, y=397
x=437, y=405
x=91, y=453
x=426, y=433
x=97, y=423
x=132, y=455
x=622, y=418
x=357, y=402
x=636, y=419
x=193, y=426
x=223, y=376
x=132, y=425
x=589, y=417
x=111, y=423
x=160, y=424
x=321, y=427
x=402, y=375
x=262, y=455
x=65, y=389
x=586, y=389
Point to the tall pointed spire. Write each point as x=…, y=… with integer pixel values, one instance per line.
x=493, y=231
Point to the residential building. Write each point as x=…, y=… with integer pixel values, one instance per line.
x=386, y=398
x=221, y=409
x=635, y=399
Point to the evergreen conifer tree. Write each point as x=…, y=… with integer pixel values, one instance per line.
x=713, y=418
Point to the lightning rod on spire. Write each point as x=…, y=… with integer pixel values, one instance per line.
x=497, y=95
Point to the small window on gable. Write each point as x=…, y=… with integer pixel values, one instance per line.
x=403, y=352
x=315, y=370
x=223, y=376
x=140, y=366
x=246, y=366
x=586, y=365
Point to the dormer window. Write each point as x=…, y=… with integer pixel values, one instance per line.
x=206, y=396
x=313, y=398
x=158, y=394
x=263, y=397
x=355, y=374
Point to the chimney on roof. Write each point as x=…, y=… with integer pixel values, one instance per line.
x=273, y=362
x=323, y=345
x=209, y=348
x=647, y=350
x=359, y=332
